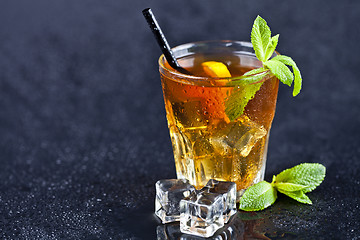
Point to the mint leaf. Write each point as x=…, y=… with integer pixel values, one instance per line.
x=281, y=71
x=257, y=72
x=245, y=90
x=289, y=187
x=255, y=75
x=240, y=96
x=264, y=46
x=298, y=196
x=298, y=80
x=258, y=197
x=272, y=46
x=306, y=174
x=250, y=77
x=260, y=37
x=293, y=182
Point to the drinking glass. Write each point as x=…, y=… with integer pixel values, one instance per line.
x=206, y=143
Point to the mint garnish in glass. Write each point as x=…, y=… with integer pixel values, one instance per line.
x=248, y=84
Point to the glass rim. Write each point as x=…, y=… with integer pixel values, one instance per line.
x=191, y=78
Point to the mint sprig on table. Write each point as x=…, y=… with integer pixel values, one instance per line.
x=247, y=85
x=293, y=182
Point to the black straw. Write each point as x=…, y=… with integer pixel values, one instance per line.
x=161, y=40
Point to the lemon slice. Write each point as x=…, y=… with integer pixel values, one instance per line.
x=216, y=69
x=215, y=97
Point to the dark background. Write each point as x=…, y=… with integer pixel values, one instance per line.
x=83, y=133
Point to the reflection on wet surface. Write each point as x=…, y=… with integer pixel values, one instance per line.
x=278, y=222
x=243, y=226
x=235, y=229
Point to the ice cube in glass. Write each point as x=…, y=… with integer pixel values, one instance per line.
x=241, y=135
x=244, y=134
x=187, y=114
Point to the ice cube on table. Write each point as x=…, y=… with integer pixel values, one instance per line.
x=169, y=192
x=228, y=192
x=201, y=214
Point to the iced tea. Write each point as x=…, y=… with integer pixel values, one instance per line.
x=206, y=144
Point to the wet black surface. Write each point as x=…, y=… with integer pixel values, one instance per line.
x=83, y=134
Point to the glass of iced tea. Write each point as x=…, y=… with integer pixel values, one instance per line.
x=206, y=143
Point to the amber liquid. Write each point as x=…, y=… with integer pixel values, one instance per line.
x=206, y=144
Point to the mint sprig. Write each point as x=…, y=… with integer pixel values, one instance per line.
x=293, y=182
x=264, y=46
x=308, y=175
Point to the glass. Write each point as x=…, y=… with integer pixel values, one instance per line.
x=206, y=144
